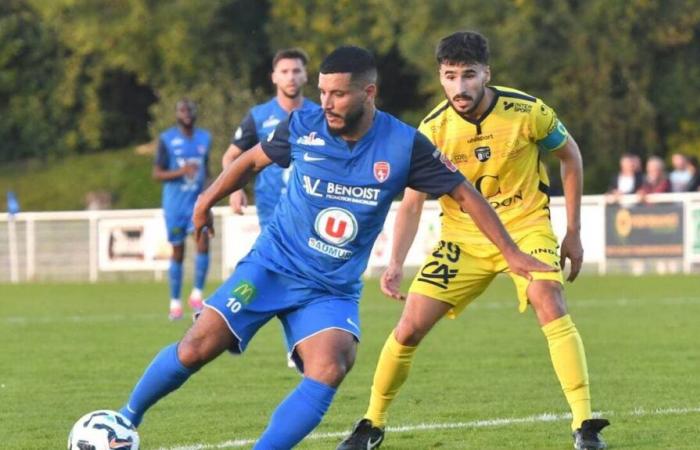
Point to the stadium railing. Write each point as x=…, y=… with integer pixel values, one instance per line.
x=661, y=234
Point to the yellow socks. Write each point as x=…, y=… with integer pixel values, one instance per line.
x=569, y=361
x=390, y=374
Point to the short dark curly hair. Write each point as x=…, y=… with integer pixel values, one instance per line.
x=463, y=47
x=290, y=53
x=356, y=61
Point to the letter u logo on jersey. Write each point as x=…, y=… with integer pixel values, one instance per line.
x=336, y=226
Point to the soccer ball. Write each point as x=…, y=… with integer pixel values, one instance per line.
x=103, y=430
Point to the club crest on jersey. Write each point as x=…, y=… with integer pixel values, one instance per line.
x=201, y=149
x=336, y=226
x=482, y=153
x=382, y=169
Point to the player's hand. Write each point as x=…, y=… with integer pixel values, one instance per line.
x=190, y=169
x=238, y=201
x=203, y=221
x=572, y=249
x=390, y=282
x=523, y=264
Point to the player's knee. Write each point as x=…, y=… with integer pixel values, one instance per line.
x=409, y=332
x=330, y=372
x=203, y=244
x=195, y=350
x=191, y=352
x=547, y=298
x=178, y=254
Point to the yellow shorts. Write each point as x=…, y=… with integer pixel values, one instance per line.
x=458, y=272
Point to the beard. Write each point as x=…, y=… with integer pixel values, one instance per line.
x=186, y=123
x=475, y=101
x=352, y=120
x=291, y=93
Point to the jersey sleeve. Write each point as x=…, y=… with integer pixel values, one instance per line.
x=277, y=146
x=549, y=133
x=431, y=172
x=426, y=130
x=162, y=160
x=246, y=135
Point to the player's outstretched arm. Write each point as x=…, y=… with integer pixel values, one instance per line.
x=230, y=155
x=405, y=228
x=488, y=222
x=233, y=178
x=572, y=180
x=238, y=199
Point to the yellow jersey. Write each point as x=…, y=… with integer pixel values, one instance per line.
x=500, y=155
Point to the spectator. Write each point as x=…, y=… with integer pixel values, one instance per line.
x=694, y=183
x=655, y=180
x=629, y=179
x=681, y=174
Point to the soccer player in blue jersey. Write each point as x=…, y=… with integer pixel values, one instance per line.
x=182, y=165
x=350, y=161
x=289, y=77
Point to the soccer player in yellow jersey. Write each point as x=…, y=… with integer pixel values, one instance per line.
x=494, y=135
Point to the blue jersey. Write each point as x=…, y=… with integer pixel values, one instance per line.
x=257, y=125
x=339, y=194
x=175, y=149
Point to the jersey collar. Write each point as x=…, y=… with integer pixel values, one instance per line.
x=477, y=122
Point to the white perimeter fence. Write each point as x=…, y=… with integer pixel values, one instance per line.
x=661, y=235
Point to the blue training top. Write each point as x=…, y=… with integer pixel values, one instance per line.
x=256, y=126
x=176, y=149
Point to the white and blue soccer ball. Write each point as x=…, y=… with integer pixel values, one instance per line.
x=103, y=430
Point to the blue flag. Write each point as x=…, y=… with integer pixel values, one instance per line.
x=12, y=203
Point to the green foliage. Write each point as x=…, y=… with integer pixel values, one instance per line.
x=30, y=60
x=79, y=76
x=63, y=183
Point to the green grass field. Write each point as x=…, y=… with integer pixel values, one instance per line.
x=482, y=381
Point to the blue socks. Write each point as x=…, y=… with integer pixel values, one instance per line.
x=201, y=267
x=296, y=416
x=165, y=374
x=175, y=277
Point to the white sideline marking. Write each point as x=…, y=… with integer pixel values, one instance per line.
x=25, y=320
x=486, y=423
x=583, y=303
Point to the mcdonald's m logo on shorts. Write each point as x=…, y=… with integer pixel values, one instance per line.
x=244, y=292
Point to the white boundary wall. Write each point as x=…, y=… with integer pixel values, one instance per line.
x=131, y=244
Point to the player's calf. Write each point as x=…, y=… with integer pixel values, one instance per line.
x=205, y=340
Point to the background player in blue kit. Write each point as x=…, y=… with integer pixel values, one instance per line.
x=350, y=161
x=289, y=77
x=182, y=164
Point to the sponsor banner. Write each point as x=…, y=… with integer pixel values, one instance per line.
x=240, y=233
x=694, y=234
x=132, y=244
x=426, y=237
x=653, y=230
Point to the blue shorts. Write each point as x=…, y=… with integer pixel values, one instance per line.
x=178, y=224
x=254, y=294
